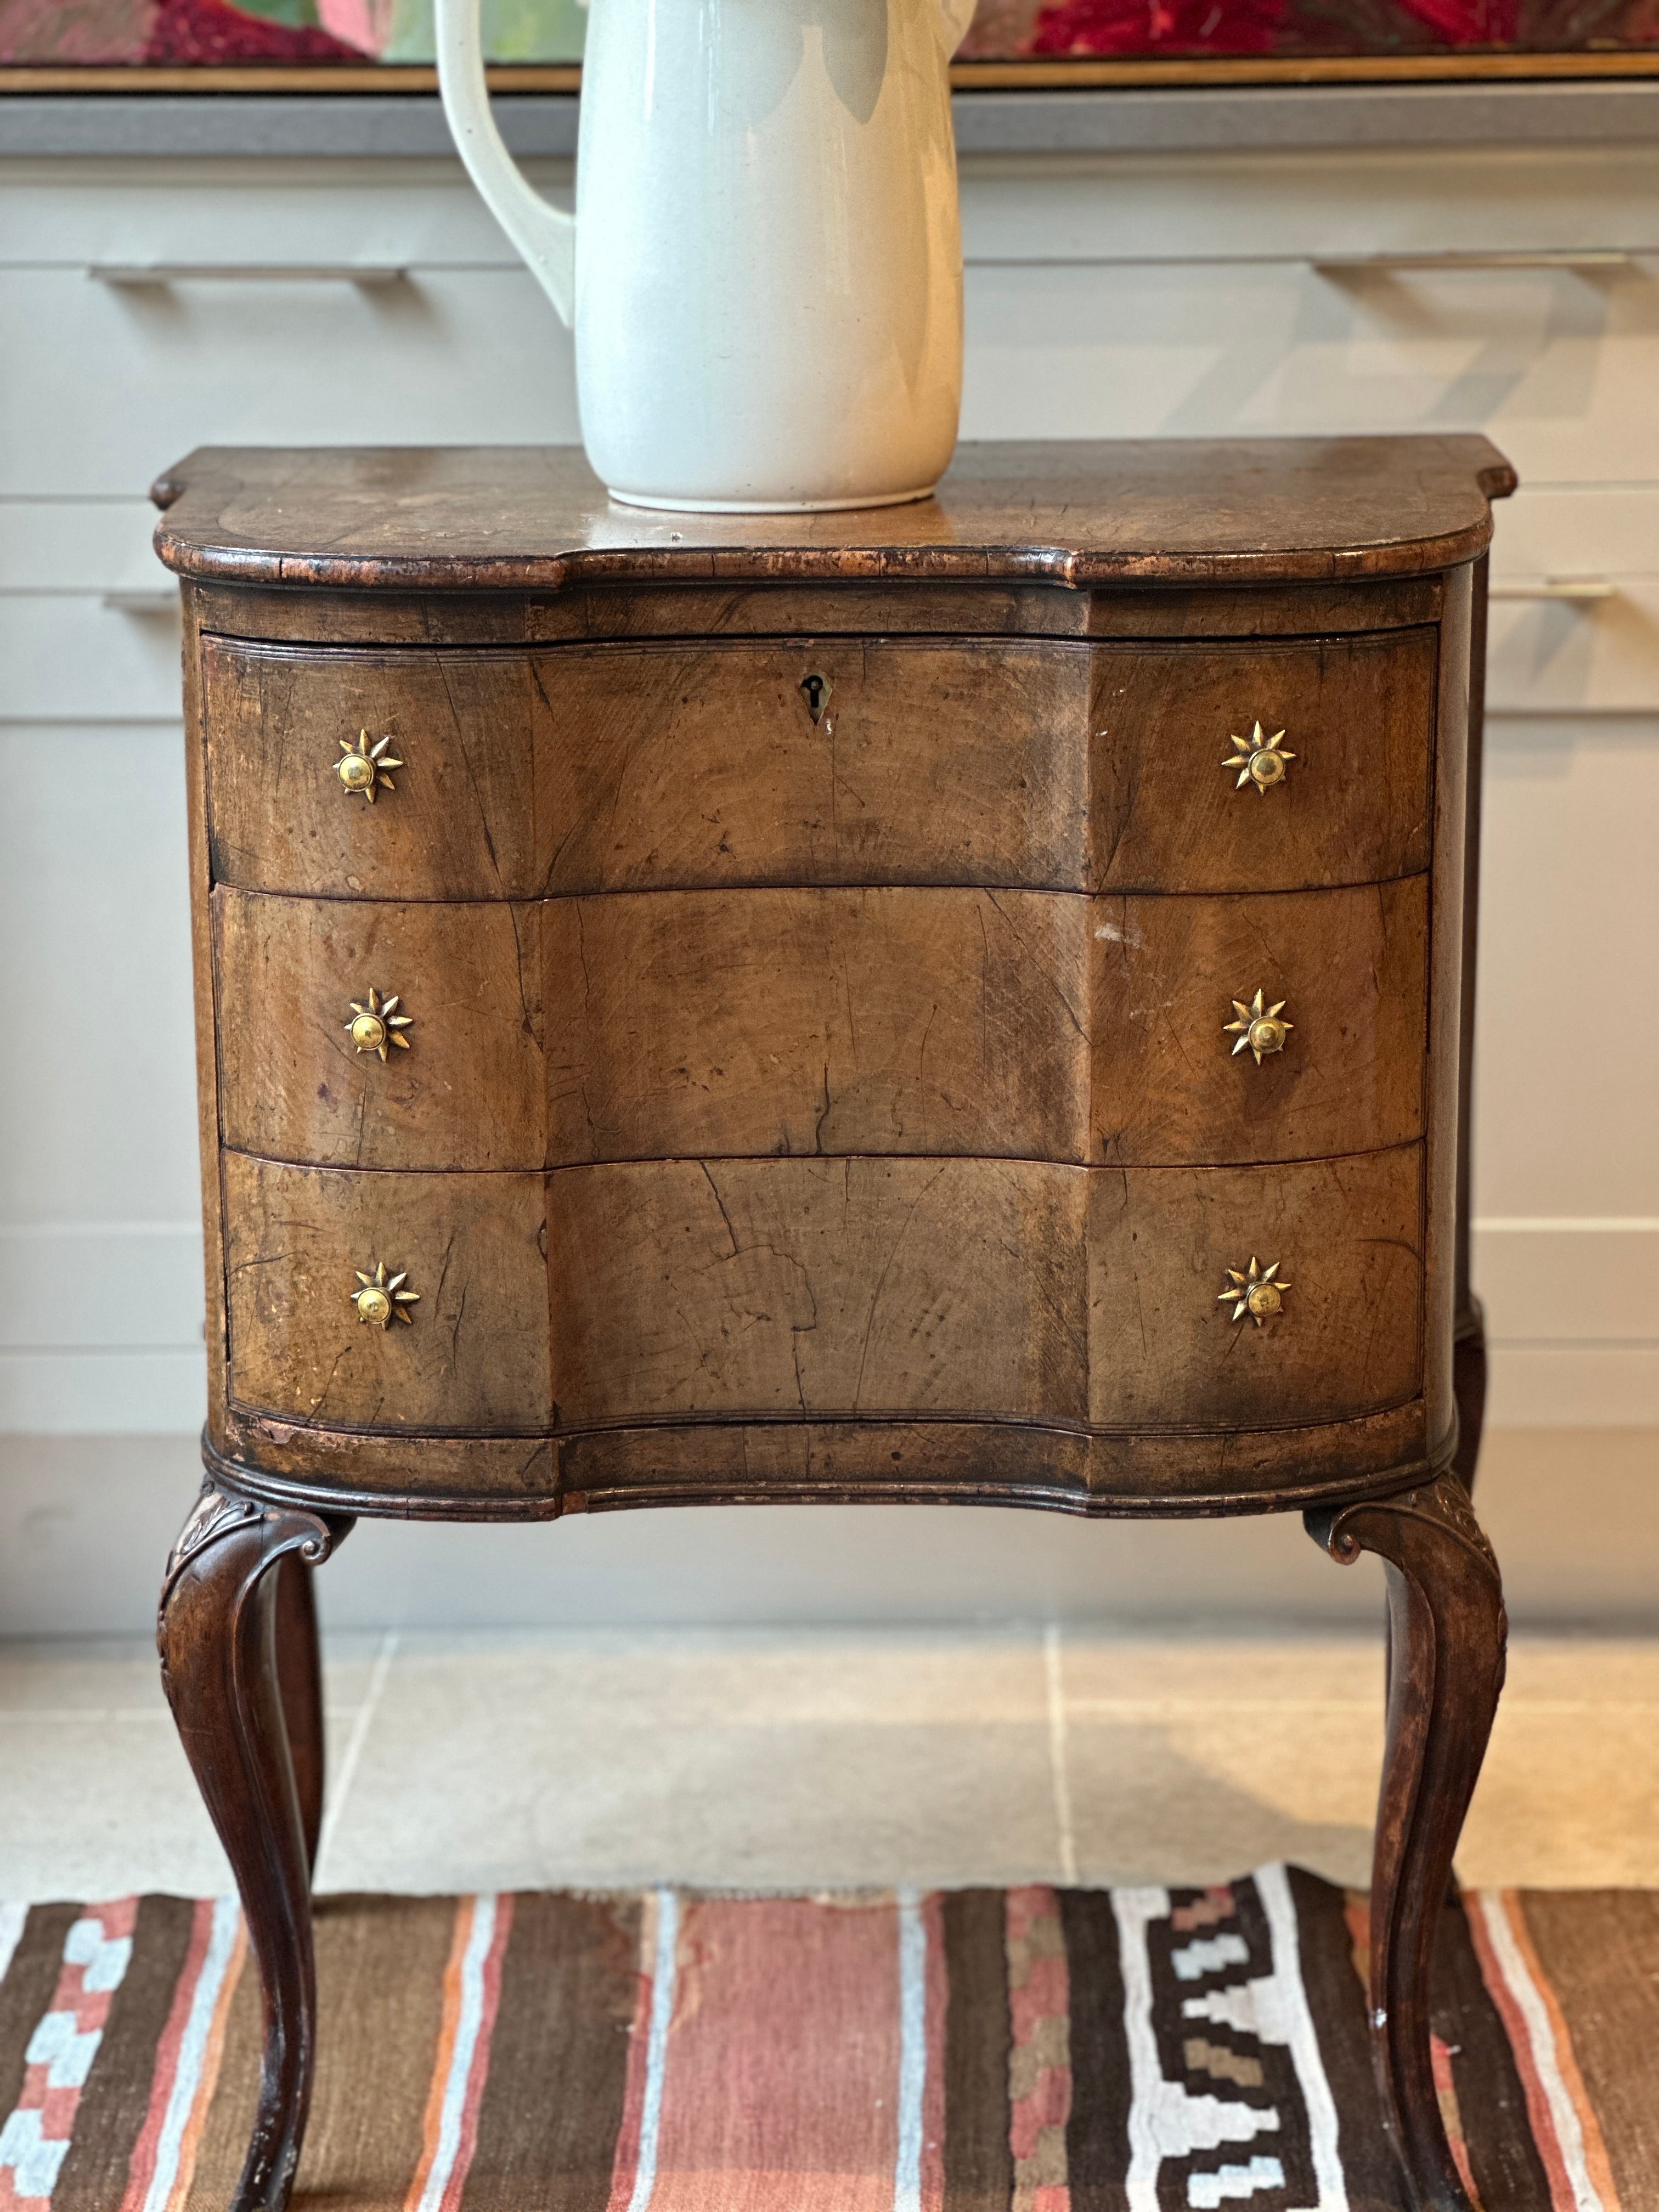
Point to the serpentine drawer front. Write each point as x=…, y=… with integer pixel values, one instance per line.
x=1003, y=991
x=812, y=1288
x=1035, y=1024
x=1037, y=766
x=964, y=1002
x=966, y=1031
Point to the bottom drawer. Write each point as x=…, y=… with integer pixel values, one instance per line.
x=882, y=1287
x=472, y=1248
x=1165, y=1349
x=790, y=1288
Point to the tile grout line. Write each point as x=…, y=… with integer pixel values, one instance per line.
x=1058, y=1774
x=366, y=1713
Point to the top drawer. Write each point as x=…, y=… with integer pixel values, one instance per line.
x=1185, y=799
x=1051, y=765
x=455, y=820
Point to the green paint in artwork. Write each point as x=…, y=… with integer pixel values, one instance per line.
x=514, y=31
x=295, y=14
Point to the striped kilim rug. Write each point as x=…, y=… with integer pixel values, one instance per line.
x=984, y=2050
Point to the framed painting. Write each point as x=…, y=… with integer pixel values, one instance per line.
x=59, y=45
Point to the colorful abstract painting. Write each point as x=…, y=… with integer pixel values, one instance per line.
x=97, y=33
x=1130, y=29
x=324, y=33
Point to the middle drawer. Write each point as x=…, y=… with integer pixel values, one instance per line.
x=673, y=1025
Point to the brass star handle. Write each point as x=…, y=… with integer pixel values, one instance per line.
x=1259, y=760
x=362, y=767
x=376, y=1024
x=380, y=1296
x=1256, y=1291
x=1259, y=1028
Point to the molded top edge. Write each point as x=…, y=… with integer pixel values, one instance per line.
x=536, y=518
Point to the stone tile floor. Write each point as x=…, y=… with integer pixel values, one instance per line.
x=801, y=1758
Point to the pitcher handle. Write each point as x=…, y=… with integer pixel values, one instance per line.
x=545, y=235
x=954, y=17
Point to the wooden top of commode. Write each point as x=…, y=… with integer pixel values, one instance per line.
x=535, y=517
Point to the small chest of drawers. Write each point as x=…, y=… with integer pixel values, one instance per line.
x=960, y=1002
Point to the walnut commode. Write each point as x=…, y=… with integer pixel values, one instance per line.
x=961, y=1001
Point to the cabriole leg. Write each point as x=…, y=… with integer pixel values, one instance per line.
x=300, y=1678
x=1446, y=1631
x=231, y=1694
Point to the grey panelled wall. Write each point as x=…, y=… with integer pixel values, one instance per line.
x=1130, y=293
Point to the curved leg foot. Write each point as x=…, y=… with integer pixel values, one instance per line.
x=218, y=1635
x=1447, y=1632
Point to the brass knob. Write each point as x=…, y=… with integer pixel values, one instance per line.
x=1258, y=1027
x=363, y=766
x=377, y=1025
x=1258, y=760
x=380, y=1296
x=1257, y=1292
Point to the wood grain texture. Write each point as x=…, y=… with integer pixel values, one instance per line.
x=1351, y=969
x=739, y=1289
x=514, y=517
x=412, y=1472
x=831, y=1022
x=1465, y=1305
x=962, y=1462
x=985, y=1462
x=742, y=1288
x=1240, y=1470
x=1447, y=1635
x=1067, y=1469
x=891, y=1021
x=475, y=1356
x=300, y=1683
x=697, y=765
x=1167, y=816
x=1443, y=1144
x=918, y=607
x=1348, y=1236
x=217, y=1632
x=819, y=933
x=288, y=614
x=1045, y=767
x=470, y=1091
x=824, y=862
x=1469, y=1392
x=460, y=822
x=206, y=1021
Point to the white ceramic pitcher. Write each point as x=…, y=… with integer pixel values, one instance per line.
x=764, y=271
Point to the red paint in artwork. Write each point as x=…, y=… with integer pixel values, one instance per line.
x=1143, y=27
x=210, y=31
x=1469, y=22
